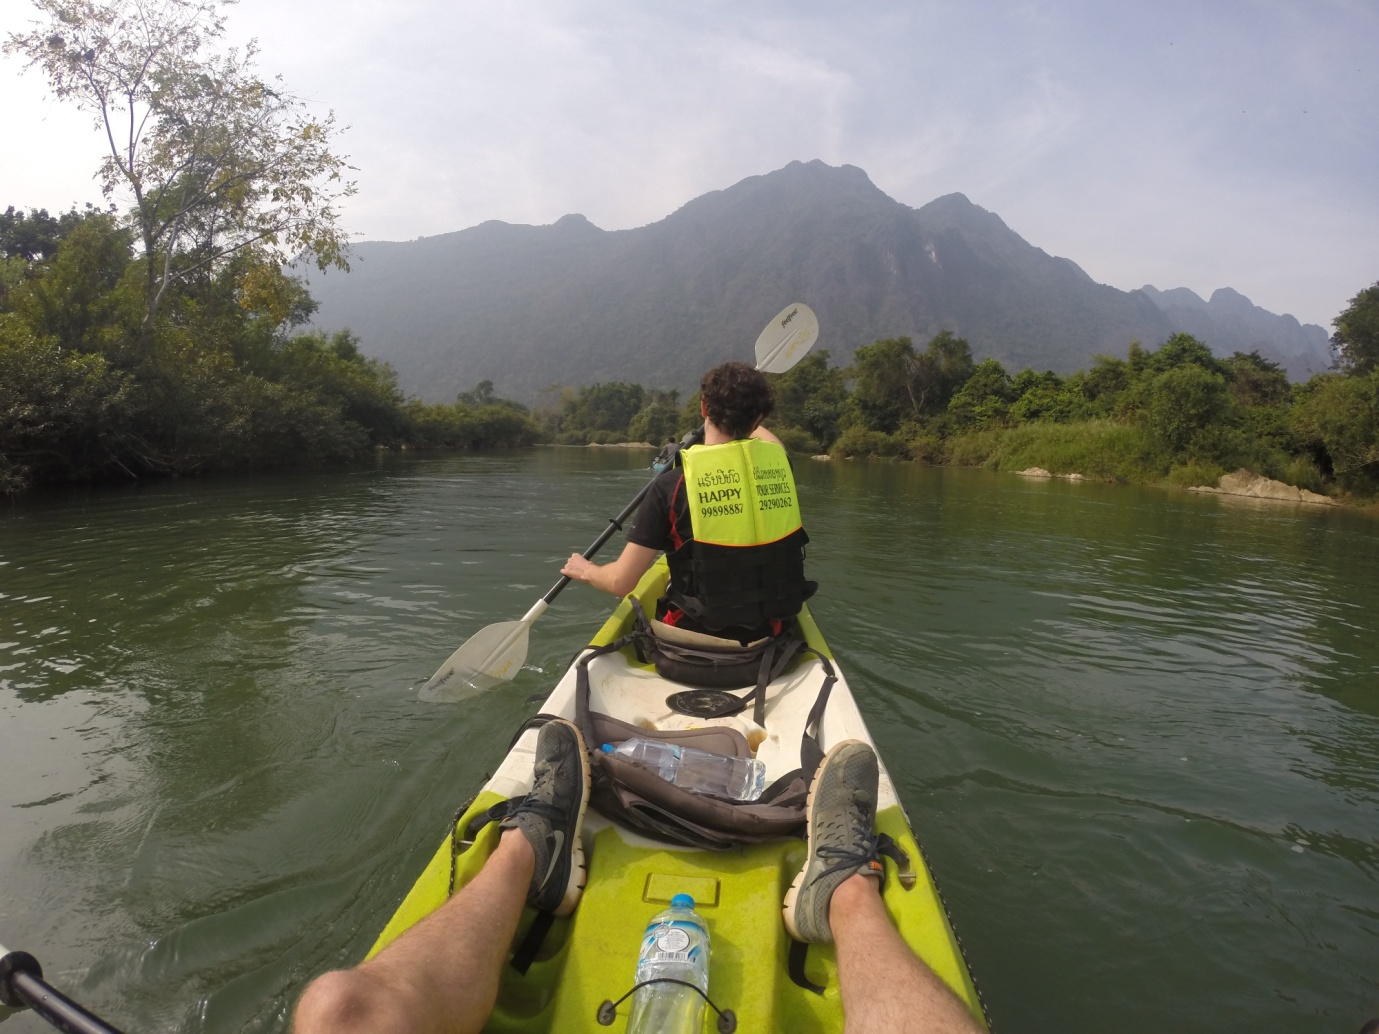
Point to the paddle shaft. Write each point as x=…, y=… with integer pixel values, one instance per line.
x=22, y=984
x=615, y=523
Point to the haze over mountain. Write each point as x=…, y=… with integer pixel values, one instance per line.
x=569, y=303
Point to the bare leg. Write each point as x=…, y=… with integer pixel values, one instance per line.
x=884, y=985
x=441, y=976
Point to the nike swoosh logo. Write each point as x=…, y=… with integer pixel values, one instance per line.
x=559, y=838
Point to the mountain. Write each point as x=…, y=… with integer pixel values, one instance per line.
x=1230, y=322
x=569, y=303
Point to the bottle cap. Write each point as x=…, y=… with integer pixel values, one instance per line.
x=682, y=901
x=607, y=748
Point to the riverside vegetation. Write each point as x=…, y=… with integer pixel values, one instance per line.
x=1177, y=414
x=166, y=337
x=161, y=338
x=222, y=378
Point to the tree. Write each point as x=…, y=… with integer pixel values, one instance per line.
x=1338, y=418
x=1046, y=396
x=883, y=383
x=603, y=407
x=940, y=370
x=810, y=396
x=215, y=160
x=74, y=297
x=1256, y=381
x=34, y=237
x=893, y=383
x=1182, y=401
x=1356, y=341
x=1108, y=379
x=658, y=420
x=985, y=399
x=1183, y=350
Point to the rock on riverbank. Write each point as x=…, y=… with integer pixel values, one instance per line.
x=1040, y=472
x=1256, y=486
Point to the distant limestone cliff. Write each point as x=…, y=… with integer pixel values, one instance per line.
x=569, y=303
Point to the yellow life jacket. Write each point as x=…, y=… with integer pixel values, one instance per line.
x=744, y=568
x=741, y=493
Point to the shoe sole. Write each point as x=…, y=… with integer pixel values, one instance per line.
x=788, y=909
x=579, y=875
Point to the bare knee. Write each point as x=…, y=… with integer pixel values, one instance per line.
x=347, y=1000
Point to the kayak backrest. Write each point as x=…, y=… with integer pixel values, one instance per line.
x=716, y=739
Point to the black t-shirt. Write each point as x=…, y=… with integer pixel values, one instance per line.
x=651, y=527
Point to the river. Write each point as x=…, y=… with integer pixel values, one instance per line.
x=1137, y=731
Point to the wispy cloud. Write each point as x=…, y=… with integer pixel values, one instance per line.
x=1178, y=143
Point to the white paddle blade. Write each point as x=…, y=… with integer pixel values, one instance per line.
x=492, y=655
x=787, y=338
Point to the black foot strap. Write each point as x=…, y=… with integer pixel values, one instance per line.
x=799, y=951
x=526, y=951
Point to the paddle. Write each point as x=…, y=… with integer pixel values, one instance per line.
x=496, y=652
x=22, y=986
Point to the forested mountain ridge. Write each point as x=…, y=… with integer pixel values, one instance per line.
x=528, y=306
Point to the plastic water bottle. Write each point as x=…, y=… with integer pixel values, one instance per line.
x=699, y=771
x=676, y=945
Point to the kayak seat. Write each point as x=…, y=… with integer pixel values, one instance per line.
x=716, y=739
x=696, y=658
x=640, y=799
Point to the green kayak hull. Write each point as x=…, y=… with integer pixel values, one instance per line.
x=590, y=957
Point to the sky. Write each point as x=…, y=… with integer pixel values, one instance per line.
x=1180, y=144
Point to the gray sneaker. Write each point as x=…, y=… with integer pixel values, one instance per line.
x=842, y=841
x=551, y=816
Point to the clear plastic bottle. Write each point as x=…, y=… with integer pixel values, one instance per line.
x=699, y=771
x=676, y=945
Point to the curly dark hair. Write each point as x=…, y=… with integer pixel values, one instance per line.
x=737, y=398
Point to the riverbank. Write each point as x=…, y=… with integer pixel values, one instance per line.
x=1122, y=452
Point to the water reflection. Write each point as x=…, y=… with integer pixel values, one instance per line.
x=1137, y=730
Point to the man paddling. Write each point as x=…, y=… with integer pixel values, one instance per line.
x=728, y=520
x=442, y=974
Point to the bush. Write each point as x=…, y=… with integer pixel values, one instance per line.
x=1303, y=472
x=927, y=448
x=1338, y=418
x=859, y=442
x=470, y=427
x=607, y=438
x=1102, y=448
x=1191, y=475
x=798, y=440
x=57, y=410
x=656, y=422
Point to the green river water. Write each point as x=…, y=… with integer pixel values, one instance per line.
x=1137, y=731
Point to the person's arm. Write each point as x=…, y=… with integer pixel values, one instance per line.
x=619, y=577
x=760, y=432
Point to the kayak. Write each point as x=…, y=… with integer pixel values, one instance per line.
x=588, y=959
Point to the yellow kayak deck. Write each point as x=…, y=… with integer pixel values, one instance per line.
x=591, y=956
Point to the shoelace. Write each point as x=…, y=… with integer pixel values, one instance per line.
x=848, y=857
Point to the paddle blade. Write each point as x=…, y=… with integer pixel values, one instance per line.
x=492, y=655
x=787, y=338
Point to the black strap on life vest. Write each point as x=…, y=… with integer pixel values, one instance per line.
x=724, y=587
